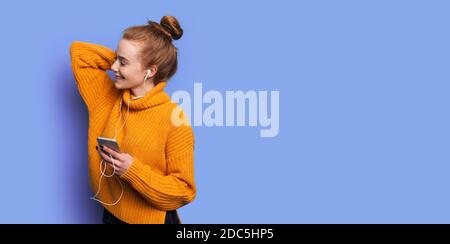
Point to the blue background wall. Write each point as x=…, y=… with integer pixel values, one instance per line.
x=364, y=122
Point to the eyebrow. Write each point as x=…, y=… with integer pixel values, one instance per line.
x=121, y=57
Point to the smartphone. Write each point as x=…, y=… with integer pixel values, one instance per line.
x=110, y=143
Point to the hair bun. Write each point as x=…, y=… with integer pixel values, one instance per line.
x=171, y=25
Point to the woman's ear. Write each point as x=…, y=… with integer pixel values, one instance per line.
x=151, y=71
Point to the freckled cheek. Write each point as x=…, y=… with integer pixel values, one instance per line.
x=130, y=75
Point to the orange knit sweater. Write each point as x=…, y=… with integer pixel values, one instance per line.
x=161, y=177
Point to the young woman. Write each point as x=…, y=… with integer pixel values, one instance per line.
x=152, y=173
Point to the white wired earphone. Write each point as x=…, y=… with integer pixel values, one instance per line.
x=116, y=133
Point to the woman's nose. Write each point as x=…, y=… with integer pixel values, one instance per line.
x=114, y=67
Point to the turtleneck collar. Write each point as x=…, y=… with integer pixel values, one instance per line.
x=156, y=96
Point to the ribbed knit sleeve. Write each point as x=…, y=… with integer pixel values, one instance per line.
x=177, y=188
x=89, y=64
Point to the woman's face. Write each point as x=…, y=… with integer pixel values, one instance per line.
x=128, y=68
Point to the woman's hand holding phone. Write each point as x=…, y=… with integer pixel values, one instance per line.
x=120, y=161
